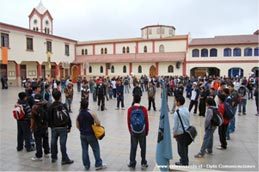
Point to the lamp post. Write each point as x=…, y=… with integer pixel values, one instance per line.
x=49, y=61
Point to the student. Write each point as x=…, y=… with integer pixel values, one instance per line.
x=60, y=127
x=151, y=93
x=194, y=97
x=120, y=95
x=256, y=94
x=209, y=130
x=69, y=92
x=136, y=92
x=138, y=133
x=178, y=132
x=39, y=125
x=23, y=125
x=84, y=123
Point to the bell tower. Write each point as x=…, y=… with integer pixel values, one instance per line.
x=40, y=20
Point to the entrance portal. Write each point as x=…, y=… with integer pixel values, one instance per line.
x=203, y=71
x=75, y=73
x=152, y=71
x=235, y=72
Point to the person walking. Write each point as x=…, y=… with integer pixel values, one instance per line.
x=84, y=122
x=60, y=124
x=151, y=93
x=138, y=126
x=178, y=131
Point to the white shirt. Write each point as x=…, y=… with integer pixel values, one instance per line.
x=113, y=84
x=194, y=93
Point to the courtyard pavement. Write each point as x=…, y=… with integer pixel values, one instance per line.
x=241, y=155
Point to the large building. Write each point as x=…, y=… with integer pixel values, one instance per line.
x=37, y=52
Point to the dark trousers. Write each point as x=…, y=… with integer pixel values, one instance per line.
x=120, y=99
x=41, y=137
x=195, y=103
x=134, y=140
x=61, y=133
x=182, y=148
x=151, y=100
x=23, y=134
x=222, y=135
x=257, y=104
x=202, y=107
x=114, y=92
x=101, y=102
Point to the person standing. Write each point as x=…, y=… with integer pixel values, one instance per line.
x=138, y=126
x=60, y=124
x=120, y=95
x=69, y=93
x=151, y=93
x=242, y=92
x=39, y=125
x=136, y=92
x=79, y=82
x=178, y=131
x=250, y=87
x=207, y=144
x=194, y=97
x=101, y=92
x=84, y=123
x=202, y=102
x=256, y=94
x=113, y=84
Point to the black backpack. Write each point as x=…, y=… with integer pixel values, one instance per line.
x=41, y=119
x=60, y=116
x=216, y=119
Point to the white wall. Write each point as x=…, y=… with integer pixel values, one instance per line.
x=171, y=46
x=99, y=47
x=118, y=69
x=145, y=68
x=142, y=44
x=96, y=70
x=163, y=69
x=38, y=24
x=46, y=18
x=119, y=47
x=88, y=47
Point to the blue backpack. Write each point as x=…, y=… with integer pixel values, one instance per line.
x=137, y=120
x=229, y=109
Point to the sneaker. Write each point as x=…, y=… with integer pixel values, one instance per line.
x=178, y=163
x=69, y=161
x=208, y=152
x=144, y=166
x=221, y=148
x=36, y=159
x=199, y=155
x=244, y=113
x=46, y=155
x=30, y=150
x=101, y=167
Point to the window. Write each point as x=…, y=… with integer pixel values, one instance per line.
x=4, y=40
x=112, y=69
x=227, y=52
x=35, y=21
x=248, y=52
x=47, y=22
x=256, y=51
x=158, y=31
x=90, y=69
x=150, y=31
x=49, y=46
x=123, y=50
x=67, y=49
x=170, y=69
x=213, y=52
x=82, y=52
x=37, y=29
x=101, y=69
x=124, y=69
x=170, y=31
x=101, y=50
x=204, y=53
x=128, y=50
x=46, y=30
x=29, y=44
x=237, y=52
x=161, y=49
x=139, y=69
x=145, y=49
x=162, y=30
x=195, y=53
x=86, y=52
x=105, y=51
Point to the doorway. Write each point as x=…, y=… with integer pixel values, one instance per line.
x=152, y=71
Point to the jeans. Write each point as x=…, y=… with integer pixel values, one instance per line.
x=120, y=99
x=126, y=88
x=242, y=105
x=92, y=141
x=207, y=140
x=62, y=133
x=231, y=125
x=23, y=134
x=182, y=149
x=68, y=103
x=134, y=140
x=250, y=94
x=41, y=140
x=222, y=135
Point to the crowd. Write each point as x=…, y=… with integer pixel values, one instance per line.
x=43, y=108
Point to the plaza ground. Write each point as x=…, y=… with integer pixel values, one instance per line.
x=241, y=155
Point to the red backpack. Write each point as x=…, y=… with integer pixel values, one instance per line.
x=18, y=112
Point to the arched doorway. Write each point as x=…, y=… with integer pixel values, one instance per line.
x=205, y=71
x=255, y=70
x=152, y=71
x=235, y=72
x=75, y=73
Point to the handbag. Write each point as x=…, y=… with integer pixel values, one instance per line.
x=190, y=133
x=99, y=131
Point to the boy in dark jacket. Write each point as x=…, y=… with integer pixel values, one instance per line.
x=120, y=95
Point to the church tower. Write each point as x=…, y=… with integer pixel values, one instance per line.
x=40, y=20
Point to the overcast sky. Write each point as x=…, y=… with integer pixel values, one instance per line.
x=85, y=20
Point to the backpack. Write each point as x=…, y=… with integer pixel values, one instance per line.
x=41, y=117
x=18, y=112
x=60, y=116
x=126, y=82
x=137, y=91
x=242, y=91
x=137, y=120
x=229, y=109
x=216, y=119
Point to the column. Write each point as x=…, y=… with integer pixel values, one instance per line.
x=153, y=46
x=130, y=68
x=56, y=71
x=106, y=69
x=114, y=48
x=93, y=49
x=39, y=70
x=18, y=74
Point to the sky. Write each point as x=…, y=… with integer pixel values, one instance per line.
x=86, y=20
